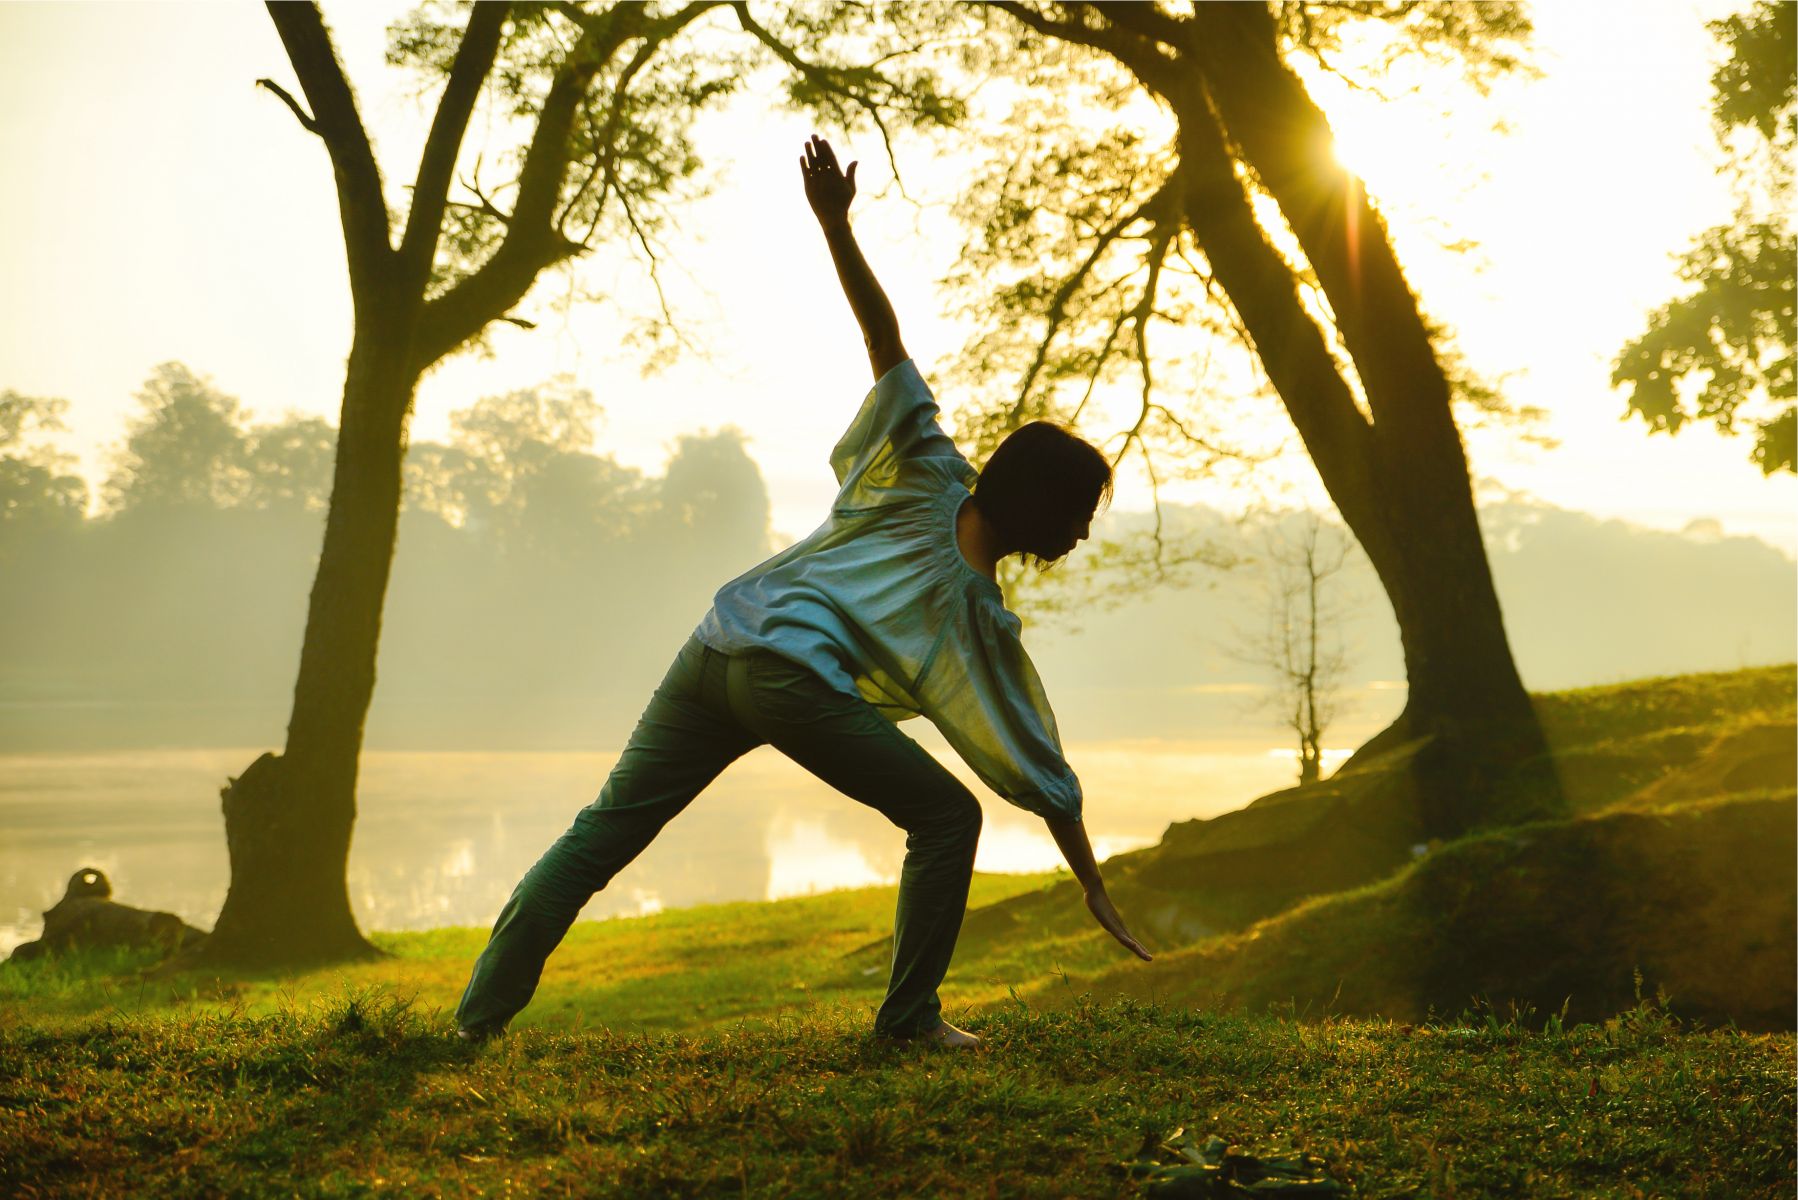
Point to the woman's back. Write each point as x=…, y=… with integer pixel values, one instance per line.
x=880, y=602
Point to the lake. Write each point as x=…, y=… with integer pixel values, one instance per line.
x=441, y=838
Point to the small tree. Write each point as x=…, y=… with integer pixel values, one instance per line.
x=1300, y=639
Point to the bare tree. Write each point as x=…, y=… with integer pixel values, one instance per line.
x=1301, y=637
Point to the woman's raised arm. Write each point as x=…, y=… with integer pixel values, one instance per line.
x=828, y=190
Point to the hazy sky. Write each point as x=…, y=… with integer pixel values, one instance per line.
x=158, y=206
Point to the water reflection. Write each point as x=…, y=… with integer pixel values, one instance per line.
x=804, y=856
x=442, y=838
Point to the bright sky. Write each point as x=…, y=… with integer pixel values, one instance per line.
x=160, y=207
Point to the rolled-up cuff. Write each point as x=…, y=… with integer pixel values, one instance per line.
x=1058, y=798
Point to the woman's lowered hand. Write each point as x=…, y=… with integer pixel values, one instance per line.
x=1107, y=915
x=1070, y=835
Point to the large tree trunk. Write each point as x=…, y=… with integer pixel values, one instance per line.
x=289, y=817
x=1400, y=480
x=1487, y=761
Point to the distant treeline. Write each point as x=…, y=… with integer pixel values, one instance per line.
x=540, y=589
x=530, y=570
x=1586, y=600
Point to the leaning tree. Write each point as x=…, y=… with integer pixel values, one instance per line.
x=603, y=97
x=1086, y=228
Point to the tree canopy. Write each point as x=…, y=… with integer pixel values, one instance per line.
x=1724, y=352
x=1097, y=302
x=1169, y=176
x=34, y=483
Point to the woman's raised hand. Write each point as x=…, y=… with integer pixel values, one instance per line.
x=827, y=189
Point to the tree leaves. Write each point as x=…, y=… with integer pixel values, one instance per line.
x=1726, y=349
x=631, y=160
x=33, y=483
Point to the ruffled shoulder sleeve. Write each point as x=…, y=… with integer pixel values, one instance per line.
x=897, y=422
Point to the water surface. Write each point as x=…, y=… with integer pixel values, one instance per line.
x=441, y=838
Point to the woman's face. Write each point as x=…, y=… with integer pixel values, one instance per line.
x=1078, y=530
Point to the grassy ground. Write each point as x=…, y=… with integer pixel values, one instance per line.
x=723, y=1050
x=682, y=970
x=362, y=1096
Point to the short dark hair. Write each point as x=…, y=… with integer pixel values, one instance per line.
x=1038, y=481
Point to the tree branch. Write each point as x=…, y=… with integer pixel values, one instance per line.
x=472, y=182
x=655, y=267
x=1139, y=315
x=1105, y=351
x=430, y=190
x=830, y=79
x=532, y=242
x=1146, y=61
x=600, y=161
x=1145, y=20
x=605, y=161
x=304, y=117
x=1151, y=209
x=361, y=205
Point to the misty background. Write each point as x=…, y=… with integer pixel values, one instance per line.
x=540, y=589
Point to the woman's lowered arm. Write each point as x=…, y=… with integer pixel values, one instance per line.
x=1070, y=836
x=828, y=190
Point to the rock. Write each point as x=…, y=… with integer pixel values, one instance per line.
x=88, y=917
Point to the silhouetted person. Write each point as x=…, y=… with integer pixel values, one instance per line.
x=889, y=609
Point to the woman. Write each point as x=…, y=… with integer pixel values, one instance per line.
x=889, y=609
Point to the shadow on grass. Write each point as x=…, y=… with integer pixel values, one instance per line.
x=302, y=1083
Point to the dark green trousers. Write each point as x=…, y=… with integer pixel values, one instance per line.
x=709, y=710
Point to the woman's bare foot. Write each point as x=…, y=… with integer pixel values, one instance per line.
x=948, y=1035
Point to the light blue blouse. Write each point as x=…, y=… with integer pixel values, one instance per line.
x=879, y=602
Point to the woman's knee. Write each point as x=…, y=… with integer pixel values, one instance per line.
x=951, y=820
x=966, y=818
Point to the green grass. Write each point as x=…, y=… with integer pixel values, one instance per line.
x=1614, y=740
x=361, y=1095
x=724, y=1049
x=1573, y=915
x=682, y=970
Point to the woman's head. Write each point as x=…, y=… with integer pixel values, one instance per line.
x=1041, y=489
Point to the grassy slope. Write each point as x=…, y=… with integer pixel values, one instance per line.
x=1678, y=862
x=1220, y=876
x=1697, y=902
x=1615, y=742
x=111, y=1084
